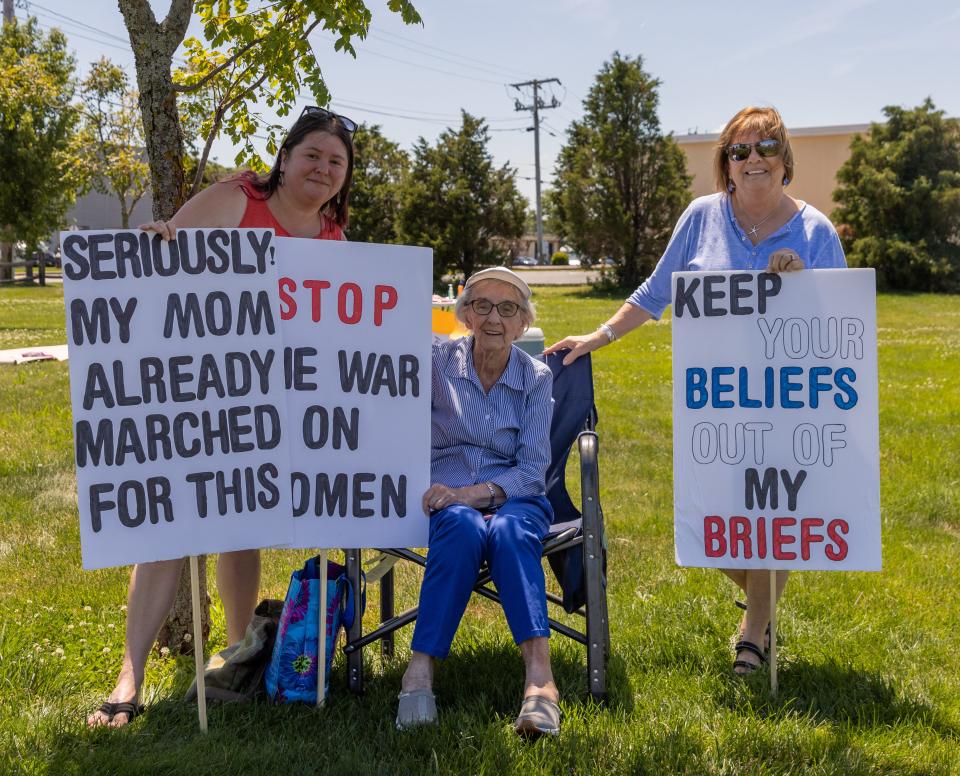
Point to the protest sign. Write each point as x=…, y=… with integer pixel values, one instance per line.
x=177, y=385
x=776, y=441
x=356, y=329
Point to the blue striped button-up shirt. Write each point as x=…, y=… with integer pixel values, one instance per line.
x=501, y=437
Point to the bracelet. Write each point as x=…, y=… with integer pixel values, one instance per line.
x=493, y=494
x=607, y=329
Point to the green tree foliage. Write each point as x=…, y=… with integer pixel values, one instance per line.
x=457, y=202
x=38, y=154
x=899, y=200
x=248, y=54
x=211, y=173
x=113, y=133
x=619, y=184
x=379, y=172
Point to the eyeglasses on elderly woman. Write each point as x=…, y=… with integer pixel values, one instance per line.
x=738, y=152
x=484, y=307
x=312, y=110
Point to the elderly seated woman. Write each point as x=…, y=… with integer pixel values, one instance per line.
x=491, y=411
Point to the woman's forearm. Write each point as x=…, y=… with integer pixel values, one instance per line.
x=627, y=318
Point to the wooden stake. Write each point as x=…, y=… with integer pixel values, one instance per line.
x=322, y=641
x=198, y=643
x=773, y=632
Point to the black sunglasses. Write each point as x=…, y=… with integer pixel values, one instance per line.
x=312, y=110
x=740, y=151
x=485, y=307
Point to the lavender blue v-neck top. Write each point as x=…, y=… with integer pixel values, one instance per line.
x=708, y=237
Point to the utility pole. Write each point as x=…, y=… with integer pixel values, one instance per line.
x=7, y=11
x=537, y=106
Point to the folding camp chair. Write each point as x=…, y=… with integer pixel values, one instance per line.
x=575, y=546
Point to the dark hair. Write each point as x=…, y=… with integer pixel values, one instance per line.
x=766, y=122
x=338, y=208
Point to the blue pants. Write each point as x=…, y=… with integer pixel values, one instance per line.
x=511, y=544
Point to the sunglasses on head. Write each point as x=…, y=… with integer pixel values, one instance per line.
x=738, y=152
x=312, y=110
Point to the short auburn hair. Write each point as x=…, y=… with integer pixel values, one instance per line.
x=767, y=123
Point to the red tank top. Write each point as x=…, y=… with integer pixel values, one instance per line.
x=259, y=216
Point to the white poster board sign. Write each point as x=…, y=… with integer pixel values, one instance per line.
x=176, y=380
x=775, y=418
x=356, y=326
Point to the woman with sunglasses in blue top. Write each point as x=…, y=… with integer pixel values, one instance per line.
x=305, y=194
x=750, y=224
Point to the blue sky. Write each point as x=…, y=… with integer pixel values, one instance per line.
x=821, y=62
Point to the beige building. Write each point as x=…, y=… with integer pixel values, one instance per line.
x=818, y=153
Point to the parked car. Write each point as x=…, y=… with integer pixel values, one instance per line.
x=50, y=258
x=42, y=253
x=524, y=261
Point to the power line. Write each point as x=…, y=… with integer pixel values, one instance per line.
x=90, y=27
x=425, y=113
x=448, y=121
x=459, y=59
x=75, y=34
x=337, y=103
x=417, y=64
x=70, y=32
x=382, y=33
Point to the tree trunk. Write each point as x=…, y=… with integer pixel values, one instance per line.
x=153, y=47
x=177, y=631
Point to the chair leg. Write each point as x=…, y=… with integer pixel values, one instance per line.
x=598, y=626
x=386, y=612
x=355, y=659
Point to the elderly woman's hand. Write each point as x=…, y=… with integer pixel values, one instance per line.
x=785, y=260
x=440, y=496
x=163, y=228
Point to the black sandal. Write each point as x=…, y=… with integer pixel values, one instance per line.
x=766, y=633
x=110, y=709
x=747, y=646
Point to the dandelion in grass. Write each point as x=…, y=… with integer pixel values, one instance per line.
x=164, y=651
x=105, y=650
x=88, y=608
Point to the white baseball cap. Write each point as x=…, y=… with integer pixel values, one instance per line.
x=503, y=274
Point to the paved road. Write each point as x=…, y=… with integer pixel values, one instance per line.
x=549, y=276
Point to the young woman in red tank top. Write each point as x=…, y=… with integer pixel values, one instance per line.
x=305, y=194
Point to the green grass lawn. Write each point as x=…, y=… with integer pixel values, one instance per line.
x=869, y=672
